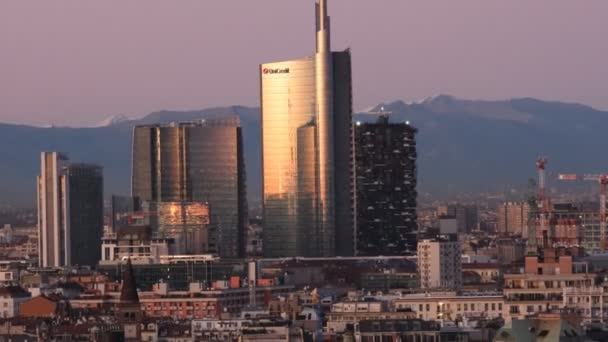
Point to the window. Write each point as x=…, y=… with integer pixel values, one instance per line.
x=493, y=306
x=466, y=307
x=420, y=308
x=472, y=306
x=458, y=307
x=514, y=309
x=500, y=306
x=428, y=307
x=487, y=307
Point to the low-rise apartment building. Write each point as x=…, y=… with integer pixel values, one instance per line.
x=451, y=306
x=348, y=313
x=540, y=285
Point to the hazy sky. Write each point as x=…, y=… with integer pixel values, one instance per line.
x=75, y=62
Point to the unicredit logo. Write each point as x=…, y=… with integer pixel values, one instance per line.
x=275, y=71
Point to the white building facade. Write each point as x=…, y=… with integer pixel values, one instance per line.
x=439, y=263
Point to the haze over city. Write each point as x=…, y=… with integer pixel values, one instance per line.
x=327, y=170
x=76, y=63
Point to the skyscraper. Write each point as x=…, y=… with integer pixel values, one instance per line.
x=196, y=162
x=70, y=212
x=307, y=151
x=385, y=158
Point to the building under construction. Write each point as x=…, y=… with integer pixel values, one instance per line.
x=566, y=224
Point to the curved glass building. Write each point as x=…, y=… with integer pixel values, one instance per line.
x=307, y=151
x=198, y=162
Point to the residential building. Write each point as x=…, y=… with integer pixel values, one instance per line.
x=540, y=285
x=11, y=298
x=546, y=327
x=439, y=263
x=510, y=251
x=512, y=218
x=195, y=162
x=389, y=279
x=10, y=269
x=307, y=151
x=405, y=330
x=348, y=313
x=243, y=329
x=70, y=212
x=487, y=272
x=385, y=162
x=452, y=306
x=590, y=303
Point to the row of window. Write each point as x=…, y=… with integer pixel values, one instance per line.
x=459, y=307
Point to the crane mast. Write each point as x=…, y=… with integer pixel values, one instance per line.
x=538, y=205
x=603, y=180
x=541, y=198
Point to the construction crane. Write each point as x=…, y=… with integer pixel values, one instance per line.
x=544, y=204
x=540, y=205
x=602, y=180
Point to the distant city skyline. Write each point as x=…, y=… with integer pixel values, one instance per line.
x=75, y=64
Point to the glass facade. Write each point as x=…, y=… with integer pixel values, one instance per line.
x=306, y=125
x=85, y=193
x=186, y=223
x=70, y=212
x=289, y=156
x=199, y=162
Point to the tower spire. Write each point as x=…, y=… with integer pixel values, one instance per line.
x=323, y=26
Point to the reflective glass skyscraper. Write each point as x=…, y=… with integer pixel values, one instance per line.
x=307, y=151
x=196, y=162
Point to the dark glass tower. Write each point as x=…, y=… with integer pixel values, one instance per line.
x=307, y=151
x=85, y=187
x=70, y=212
x=385, y=157
x=196, y=162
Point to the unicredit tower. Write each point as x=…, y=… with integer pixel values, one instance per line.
x=307, y=151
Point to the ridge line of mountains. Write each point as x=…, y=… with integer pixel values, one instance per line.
x=464, y=146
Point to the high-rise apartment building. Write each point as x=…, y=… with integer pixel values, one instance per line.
x=512, y=218
x=196, y=162
x=307, y=151
x=70, y=212
x=439, y=263
x=385, y=160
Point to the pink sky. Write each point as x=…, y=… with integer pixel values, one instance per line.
x=72, y=62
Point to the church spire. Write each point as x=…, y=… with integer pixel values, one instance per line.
x=128, y=292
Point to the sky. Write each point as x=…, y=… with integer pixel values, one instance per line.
x=73, y=62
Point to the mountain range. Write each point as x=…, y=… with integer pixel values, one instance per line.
x=463, y=145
